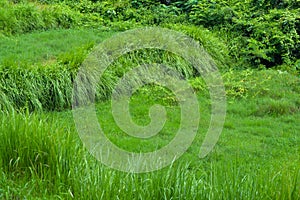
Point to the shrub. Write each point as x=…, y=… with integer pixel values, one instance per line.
x=273, y=39
x=258, y=33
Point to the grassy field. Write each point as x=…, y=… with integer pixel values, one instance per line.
x=45, y=46
x=256, y=157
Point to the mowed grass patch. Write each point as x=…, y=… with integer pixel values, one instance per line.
x=37, y=47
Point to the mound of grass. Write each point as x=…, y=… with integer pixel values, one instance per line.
x=210, y=41
x=24, y=17
x=37, y=88
x=37, y=70
x=39, y=75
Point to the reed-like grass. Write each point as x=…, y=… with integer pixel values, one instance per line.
x=36, y=88
x=37, y=69
x=42, y=157
x=49, y=86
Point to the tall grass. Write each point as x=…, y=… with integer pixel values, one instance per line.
x=26, y=17
x=210, y=42
x=41, y=157
x=47, y=85
x=36, y=87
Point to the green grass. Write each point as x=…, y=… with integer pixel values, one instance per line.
x=47, y=46
x=39, y=74
x=42, y=156
x=257, y=156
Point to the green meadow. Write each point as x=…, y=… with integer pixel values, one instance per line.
x=42, y=156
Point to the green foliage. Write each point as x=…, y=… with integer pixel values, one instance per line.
x=27, y=17
x=258, y=33
x=185, y=6
x=134, y=12
x=253, y=83
x=261, y=130
x=47, y=84
x=268, y=92
x=274, y=4
x=272, y=39
x=211, y=13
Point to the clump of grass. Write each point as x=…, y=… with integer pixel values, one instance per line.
x=49, y=87
x=139, y=58
x=210, y=41
x=37, y=87
x=275, y=107
x=27, y=146
x=5, y=103
x=28, y=16
x=41, y=78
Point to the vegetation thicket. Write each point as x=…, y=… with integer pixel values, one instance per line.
x=257, y=33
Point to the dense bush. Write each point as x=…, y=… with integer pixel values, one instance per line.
x=259, y=33
x=271, y=39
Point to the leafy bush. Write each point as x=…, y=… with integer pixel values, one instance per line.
x=210, y=14
x=259, y=33
x=272, y=39
x=7, y=20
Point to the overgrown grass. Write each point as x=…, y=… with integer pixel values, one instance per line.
x=37, y=70
x=256, y=157
x=23, y=17
x=41, y=155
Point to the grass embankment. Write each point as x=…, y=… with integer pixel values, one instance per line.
x=257, y=156
x=37, y=69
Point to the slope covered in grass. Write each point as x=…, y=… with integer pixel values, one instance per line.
x=258, y=34
x=37, y=69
